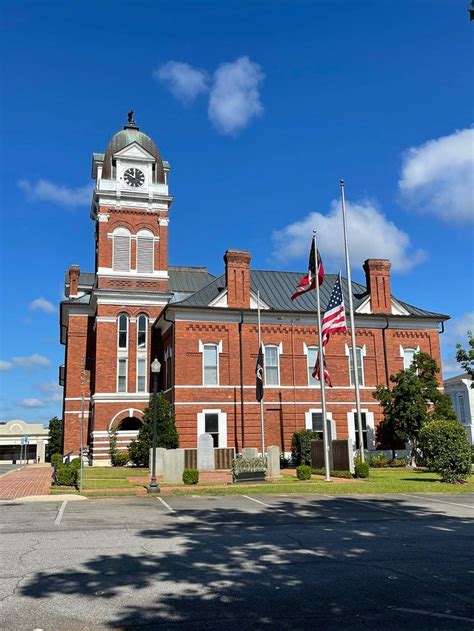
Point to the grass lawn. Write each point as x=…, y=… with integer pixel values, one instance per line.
x=109, y=482
x=380, y=481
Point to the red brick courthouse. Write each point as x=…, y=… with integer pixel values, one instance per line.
x=203, y=328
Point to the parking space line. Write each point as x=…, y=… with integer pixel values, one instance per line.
x=60, y=514
x=165, y=504
x=432, y=499
x=385, y=510
x=258, y=501
x=423, y=612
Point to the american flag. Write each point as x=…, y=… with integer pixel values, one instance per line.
x=333, y=320
x=308, y=281
x=335, y=317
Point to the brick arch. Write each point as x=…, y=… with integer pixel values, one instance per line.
x=119, y=310
x=142, y=225
x=120, y=223
x=125, y=414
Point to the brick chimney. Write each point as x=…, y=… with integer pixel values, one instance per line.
x=74, y=272
x=377, y=275
x=237, y=278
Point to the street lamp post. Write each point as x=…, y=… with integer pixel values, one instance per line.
x=155, y=370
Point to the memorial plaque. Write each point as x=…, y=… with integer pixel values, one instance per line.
x=205, y=453
x=249, y=452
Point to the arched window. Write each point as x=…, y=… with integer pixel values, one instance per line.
x=145, y=245
x=141, y=332
x=121, y=250
x=142, y=326
x=122, y=330
x=130, y=424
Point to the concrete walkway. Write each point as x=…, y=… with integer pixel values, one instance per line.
x=30, y=480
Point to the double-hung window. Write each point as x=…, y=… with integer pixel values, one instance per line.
x=142, y=326
x=272, y=366
x=360, y=366
x=461, y=407
x=122, y=352
x=312, y=353
x=317, y=423
x=210, y=364
x=408, y=355
x=364, y=430
x=211, y=426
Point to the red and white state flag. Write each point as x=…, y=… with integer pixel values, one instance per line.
x=308, y=281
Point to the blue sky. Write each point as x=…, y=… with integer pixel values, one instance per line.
x=260, y=107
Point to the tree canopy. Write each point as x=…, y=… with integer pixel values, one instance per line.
x=466, y=357
x=55, y=444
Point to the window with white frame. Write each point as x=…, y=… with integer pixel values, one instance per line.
x=461, y=407
x=364, y=429
x=210, y=364
x=317, y=423
x=145, y=247
x=213, y=422
x=122, y=331
x=360, y=365
x=122, y=374
x=211, y=426
x=272, y=365
x=312, y=353
x=141, y=374
x=121, y=250
x=141, y=332
x=408, y=355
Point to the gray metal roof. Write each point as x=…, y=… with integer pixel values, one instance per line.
x=86, y=279
x=276, y=289
x=188, y=279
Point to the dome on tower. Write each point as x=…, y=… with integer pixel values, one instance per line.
x=129, y=134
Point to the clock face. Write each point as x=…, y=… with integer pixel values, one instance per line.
x=134, y=177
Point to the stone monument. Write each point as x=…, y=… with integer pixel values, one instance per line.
x=205, y=453
x=173, y=466
x=273, y=462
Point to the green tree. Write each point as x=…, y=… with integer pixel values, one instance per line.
x=55, y=443
x=414, y=399
x=445, y=450
x=166, y=434
x=466, y=357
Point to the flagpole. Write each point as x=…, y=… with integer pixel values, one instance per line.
x=322, y=382
x=351, y=317
x=262, y=424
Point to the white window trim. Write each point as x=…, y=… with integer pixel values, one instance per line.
x=144, y=357
x=145, y=348
x=280, y=352
x=407, y=348
x=119, y=359
x=308, y=421
x=122, y=351
x=306, y=348
x=222, y=425
x=370, y=422
x=218, y=345
x=363, y=354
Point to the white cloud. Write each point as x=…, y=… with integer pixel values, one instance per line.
x=41, y=304
x=52, y=391
x=31, y=403
x=43, y=190
x=438, y=176
x=235, y=98
x=31, y=361
x=184, y=82
x=371, y=235
x=4, y=366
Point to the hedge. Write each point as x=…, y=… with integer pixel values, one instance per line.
x=190, y=476
x=445, y=450
x=303, y=472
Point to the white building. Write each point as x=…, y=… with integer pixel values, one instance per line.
x=11, y=434
x=462, y=396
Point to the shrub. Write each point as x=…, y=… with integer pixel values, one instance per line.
x=303, y=472
x=56, y=460
x=379, y=461
x=66, y=475
x=361, y=469
x=446, y=450
x=120, y=459
x=243, y=465
x=398, y=462
x=75, y=464
x=190, y=476
x=334, y=473
x=301, y=446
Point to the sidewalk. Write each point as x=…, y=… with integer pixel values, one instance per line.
x=30, y=480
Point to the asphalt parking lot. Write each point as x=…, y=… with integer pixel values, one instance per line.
x=238, y=562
